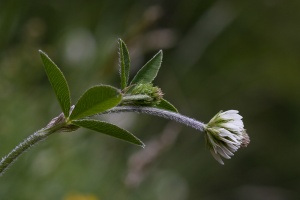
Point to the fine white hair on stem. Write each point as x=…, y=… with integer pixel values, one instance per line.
x=32, y=140
x=160, y=113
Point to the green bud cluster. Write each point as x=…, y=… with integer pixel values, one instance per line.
x=143, y=94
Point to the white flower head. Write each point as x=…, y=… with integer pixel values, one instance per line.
x=225, y=134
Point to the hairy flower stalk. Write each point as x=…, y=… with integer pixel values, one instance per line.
x=160, y=113
x=225, y=134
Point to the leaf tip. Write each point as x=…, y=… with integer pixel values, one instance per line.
x=120, y=41
x=41, y=52
x=160, y=52
x=140, y=143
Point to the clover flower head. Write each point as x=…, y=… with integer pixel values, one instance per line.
x=225, y=134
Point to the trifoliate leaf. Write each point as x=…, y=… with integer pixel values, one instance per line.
x=108, y=129
x=58, y=83
x=96, y=100
x=149, y=71
x=165, y=105
x=124, y=62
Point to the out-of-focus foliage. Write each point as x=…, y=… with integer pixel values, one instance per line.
x=240, y=55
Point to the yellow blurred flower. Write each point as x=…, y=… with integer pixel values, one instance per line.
x=80, y=197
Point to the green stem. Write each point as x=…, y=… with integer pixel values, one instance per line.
x=200, y=126
x=56, y=125
x=10, y=158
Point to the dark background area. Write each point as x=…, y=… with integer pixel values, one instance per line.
x=218, y=55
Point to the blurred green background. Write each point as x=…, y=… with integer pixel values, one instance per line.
x=218, y=55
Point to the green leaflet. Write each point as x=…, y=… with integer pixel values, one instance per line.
x=124, y=62
x=149, y=71
x=96, y=100
x=58, y=83
x=108, y=129
x=165, y=105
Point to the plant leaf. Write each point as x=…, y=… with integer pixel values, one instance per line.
x=149, y=71
x=124, y=62
x=96, y=100
x=108, y=129
x=165, y=105
x=58, y=83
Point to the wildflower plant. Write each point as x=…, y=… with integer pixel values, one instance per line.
x=224, y=133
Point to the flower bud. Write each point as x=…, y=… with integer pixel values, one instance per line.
x=144, y=94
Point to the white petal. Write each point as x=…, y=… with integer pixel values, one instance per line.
x=227, y=151
x=230, y=112
x=231, y=127
x=217, y=157
x=229, y=141
x=225, y=133
x=222, y=152
x=230, y=115
x=237, y=123
x=233, y=148
x=211, y=140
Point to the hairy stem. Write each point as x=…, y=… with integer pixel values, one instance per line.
x=57, y=124
x=160, y=113
x=21, y=148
